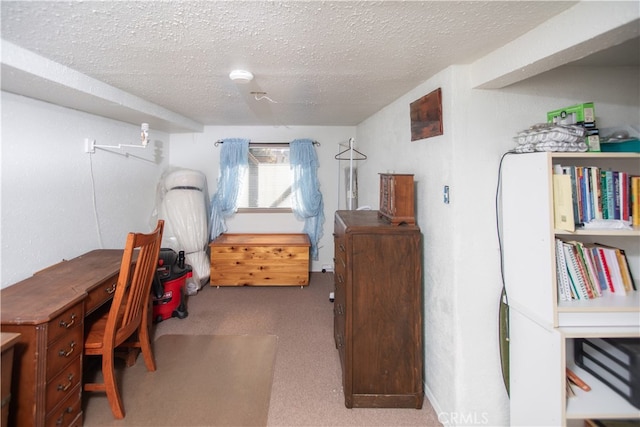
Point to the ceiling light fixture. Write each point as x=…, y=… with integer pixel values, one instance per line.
x=241, y=76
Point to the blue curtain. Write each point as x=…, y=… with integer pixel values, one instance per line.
x=306, y=198
x=234, y=157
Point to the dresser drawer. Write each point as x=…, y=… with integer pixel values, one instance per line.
x=64, y=322
x=100, y=294
x=340, y=252
x=63, y=351
x=68, y=413
x=63, y=385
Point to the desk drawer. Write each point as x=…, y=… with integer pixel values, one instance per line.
x=68, y=412
x=63, y=351
x=63, y=385
x=100, y=294
x=64, y=322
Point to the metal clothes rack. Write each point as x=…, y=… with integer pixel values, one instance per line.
x=351, y=158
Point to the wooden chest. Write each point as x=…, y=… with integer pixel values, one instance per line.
x=260, y=260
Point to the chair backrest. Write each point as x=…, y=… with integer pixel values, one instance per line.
x=131, y=299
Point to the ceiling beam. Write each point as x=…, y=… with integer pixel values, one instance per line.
x=586, y=28
x=28, y=74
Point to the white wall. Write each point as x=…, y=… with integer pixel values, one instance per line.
x=197, y=151
x=47, y=186
x=461, y=255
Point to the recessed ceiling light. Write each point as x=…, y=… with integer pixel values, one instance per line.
x=241, y=76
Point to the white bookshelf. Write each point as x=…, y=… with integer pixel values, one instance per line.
x=543, y=329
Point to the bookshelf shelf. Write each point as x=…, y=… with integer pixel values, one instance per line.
x=607, y=302
x=538, y=320
x=600, y=402
x=635, y=231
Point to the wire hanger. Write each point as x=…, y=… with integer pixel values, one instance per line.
x=349, y=150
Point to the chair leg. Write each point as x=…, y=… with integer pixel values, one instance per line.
x=111, y=386
x=145, y=346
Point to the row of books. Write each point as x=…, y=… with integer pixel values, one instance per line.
x=590, y=270
x=599, y=194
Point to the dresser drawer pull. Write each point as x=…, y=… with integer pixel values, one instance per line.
x=342, y=248
x=64, y=324
x=111, y=289
x=60, y=419
x=6, y=400
x=66, y=386
x=63, y=353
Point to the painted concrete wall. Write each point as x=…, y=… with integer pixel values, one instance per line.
x=59, y=202
x=461, y=254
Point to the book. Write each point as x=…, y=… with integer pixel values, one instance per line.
x=563, y=203
x=635, y=200
x=571, y=171
x=624, y=196
x=590, y=270
x=605, y=194
x=586, y=194
x=575, y=272
x=584, y=271
x=562, y=276
x=616, y=195
x=611, y=258
x=599, y=267
x=609, y=194
x=627, y=278
x=605, y=268
x=596, y=192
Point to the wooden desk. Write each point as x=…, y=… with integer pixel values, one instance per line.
x=48, y=311
x=8, y=341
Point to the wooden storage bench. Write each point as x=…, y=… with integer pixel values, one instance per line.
x=260, y=260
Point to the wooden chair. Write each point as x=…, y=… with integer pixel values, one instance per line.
x=125, y=323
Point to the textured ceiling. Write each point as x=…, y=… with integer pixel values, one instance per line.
x=322, y=63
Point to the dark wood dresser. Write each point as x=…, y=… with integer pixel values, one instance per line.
x=378, y=310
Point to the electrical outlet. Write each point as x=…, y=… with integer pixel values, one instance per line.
x=446, y=194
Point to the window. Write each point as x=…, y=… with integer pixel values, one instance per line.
x=268, y=181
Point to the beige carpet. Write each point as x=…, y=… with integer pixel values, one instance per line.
x=202, y=380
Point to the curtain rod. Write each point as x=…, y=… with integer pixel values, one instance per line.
x=220, y=141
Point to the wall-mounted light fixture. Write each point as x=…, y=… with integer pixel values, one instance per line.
x=90, y=144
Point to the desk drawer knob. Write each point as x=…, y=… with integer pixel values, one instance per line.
x=69, y=324
x=111, y=289
x=63, y=353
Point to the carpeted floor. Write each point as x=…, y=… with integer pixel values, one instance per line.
x=201, y=380
x=307, y=378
